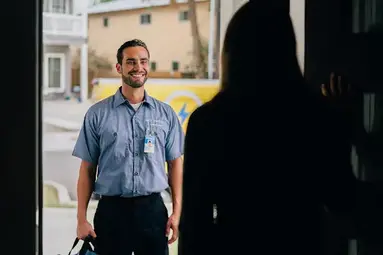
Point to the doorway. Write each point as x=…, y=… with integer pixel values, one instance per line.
x=54, y=73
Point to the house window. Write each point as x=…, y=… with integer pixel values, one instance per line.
x=175, y=66
x=146, y=19
x=153, y=66
x=106, y=21
x=58, y=6
x=184, y=15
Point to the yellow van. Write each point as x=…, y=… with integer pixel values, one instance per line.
x=184, y=95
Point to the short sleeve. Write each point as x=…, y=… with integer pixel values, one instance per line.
x=175, y=139
x=87, y=146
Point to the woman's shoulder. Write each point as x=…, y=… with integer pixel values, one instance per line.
x=208, y=110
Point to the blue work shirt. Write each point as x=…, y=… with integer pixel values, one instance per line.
x=112, y=137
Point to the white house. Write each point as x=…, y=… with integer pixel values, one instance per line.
x=65, y=25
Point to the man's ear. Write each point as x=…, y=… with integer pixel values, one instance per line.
x=118, y=68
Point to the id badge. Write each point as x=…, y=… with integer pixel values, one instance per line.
x=149, y=144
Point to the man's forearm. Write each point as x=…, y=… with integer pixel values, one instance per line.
x=175, y=181
x=85, y=186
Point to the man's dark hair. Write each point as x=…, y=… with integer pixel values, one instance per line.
x=127, y=44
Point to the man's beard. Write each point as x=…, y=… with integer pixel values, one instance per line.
x=134, y=84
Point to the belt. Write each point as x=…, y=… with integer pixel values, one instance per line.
x=138, y=198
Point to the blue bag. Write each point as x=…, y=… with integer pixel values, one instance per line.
x=86, y=249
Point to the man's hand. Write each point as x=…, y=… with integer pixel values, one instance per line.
x=85, y=229
x=173, y=223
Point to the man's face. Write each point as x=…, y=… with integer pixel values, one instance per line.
x=134, y=67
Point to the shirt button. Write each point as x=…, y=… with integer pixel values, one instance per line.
x=136, y=154
x=136, y=173
x=136, y=135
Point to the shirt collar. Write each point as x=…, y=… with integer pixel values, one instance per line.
x=119, y=98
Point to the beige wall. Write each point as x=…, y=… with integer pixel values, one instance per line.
x=168, y=39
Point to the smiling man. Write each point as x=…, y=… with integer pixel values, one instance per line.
x=127, y=138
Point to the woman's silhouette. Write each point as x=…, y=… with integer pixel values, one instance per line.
x=269, y=197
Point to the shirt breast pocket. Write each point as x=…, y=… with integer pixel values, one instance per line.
x=161, y=133
x=112, y=143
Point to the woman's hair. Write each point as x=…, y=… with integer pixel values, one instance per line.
x=259, y=41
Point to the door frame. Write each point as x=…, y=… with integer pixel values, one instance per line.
x=62, y=58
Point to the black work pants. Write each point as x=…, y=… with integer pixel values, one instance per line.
x=126, y=225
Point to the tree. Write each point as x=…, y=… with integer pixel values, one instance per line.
x=95, y=62
x=97, y=65
x=217, y=46
x=198, y=58
x=191, y=69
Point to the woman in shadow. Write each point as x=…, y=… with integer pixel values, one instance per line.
x=265, y=156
